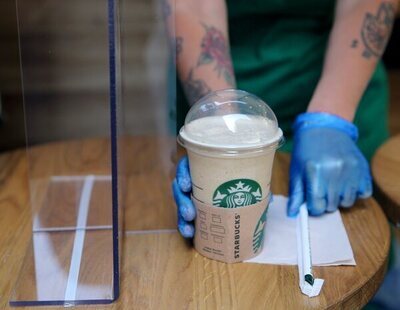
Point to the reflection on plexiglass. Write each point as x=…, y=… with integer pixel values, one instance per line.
x=57, y=281
x=71, y=255
x=67, y=201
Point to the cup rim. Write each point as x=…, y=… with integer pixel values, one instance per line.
x=226, y=151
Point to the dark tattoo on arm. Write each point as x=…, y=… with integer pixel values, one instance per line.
x=195, y=88
x=214, y=49
x=166, y=8
x=376, y=30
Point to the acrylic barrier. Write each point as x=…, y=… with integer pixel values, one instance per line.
x=71, y=77
x=99, y=97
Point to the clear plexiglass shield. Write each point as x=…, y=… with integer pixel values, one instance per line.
x=99, y=96
x=70, y=68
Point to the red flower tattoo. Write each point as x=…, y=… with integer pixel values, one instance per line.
x=214, y=48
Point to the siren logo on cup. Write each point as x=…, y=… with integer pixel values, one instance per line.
x=237, y=193
x=258, y=237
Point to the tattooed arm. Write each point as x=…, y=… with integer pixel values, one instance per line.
x=203, y=59
x=357, y=41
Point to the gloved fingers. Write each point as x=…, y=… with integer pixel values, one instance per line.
x=185, y=210
x=296, y=194
x=365, y=190
x=316, y=203
x=355, y=172
x=365, y=183
x=333, y=201
x=349, y=195
x=185, y=228
x=315, y=190
x=334, y=175
x=183, y=175
x=185, y=205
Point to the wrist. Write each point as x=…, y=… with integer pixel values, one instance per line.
x=310, y=120
x=344, y=112
x=332, y=96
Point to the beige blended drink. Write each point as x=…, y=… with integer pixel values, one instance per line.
x=231, y=137
x=230, y=180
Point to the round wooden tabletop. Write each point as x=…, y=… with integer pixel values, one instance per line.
x=162, y=271
x=386, y=172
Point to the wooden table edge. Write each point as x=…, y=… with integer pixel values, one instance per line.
x=371, y=286
x=386, y=202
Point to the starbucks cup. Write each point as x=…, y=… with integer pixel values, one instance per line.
x=231, y=137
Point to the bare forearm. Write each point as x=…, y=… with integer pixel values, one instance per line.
x=357, y=41
x=203, y=58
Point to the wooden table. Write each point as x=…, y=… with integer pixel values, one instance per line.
x=386, y=171
x=160, y=270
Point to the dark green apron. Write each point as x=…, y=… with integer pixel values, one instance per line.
x=277, y=48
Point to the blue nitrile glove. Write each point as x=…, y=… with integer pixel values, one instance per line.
x=182, y=188
x=327, y=168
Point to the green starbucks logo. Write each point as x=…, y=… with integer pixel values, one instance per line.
x=258, y=236
x=237, y=193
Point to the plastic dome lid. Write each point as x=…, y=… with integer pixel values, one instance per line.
x=230, y=121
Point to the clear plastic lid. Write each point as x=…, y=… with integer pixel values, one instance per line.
x=230, y=121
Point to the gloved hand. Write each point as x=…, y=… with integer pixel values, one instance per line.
x=182, y=188
x=327, y=168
